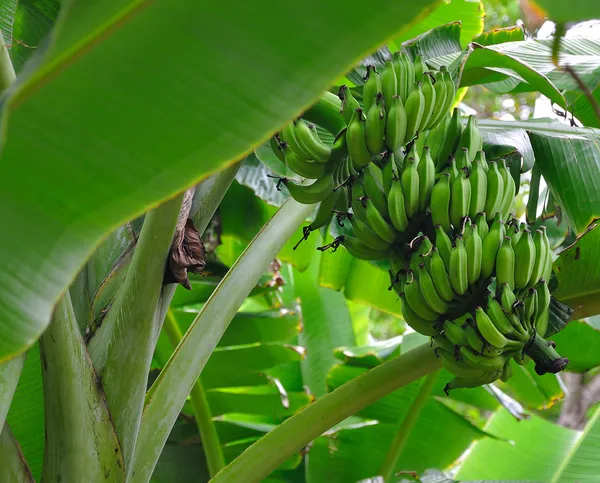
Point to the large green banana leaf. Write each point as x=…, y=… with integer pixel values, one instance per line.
x=108, y=119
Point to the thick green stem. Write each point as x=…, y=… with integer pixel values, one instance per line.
x=401, y=437
x=202, y=414
x=170, y=390
x=122, y=347
x=264, y=456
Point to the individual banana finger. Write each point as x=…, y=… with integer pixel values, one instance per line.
x=426, y=170
x=313, y=193
x=488, y=330
x=440, y=203
x=375, y=126
x=371, y=88
x=417, y=303
x=430, y=294
x=415, y=107
x=458, y=267
x=495, y=191
x=439, y=275
x=524, y=259
x=505, y=264
x=355, y=138
x=417, y=323
x=460, y=198
x=410, y=187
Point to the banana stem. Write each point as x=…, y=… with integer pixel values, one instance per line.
x=264, y=456
x=399, y=442
x=202, y=414
x=545, y=357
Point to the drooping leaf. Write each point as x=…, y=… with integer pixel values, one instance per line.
x=129, y=80
x=579, y=343
x=501, y=35
x=568, y=457
x=578, y=274
x=556, y=10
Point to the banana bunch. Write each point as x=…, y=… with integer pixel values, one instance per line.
x=400, y=101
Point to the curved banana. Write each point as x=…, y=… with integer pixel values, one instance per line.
x=440, y=101
x=482, y=226
x=439, y=276
x=389, y=83
x=379, y=224
x=359, y=250
x=417, y=303
x=458, y=267
x=530, y=301
x=388, y=172
x=410, y=187
x=372, y=182
x=491, y=244
x=507, y=298
x=460, y=198
x=524, y=259
x=481, y=361
x=505, y=264
x=495, y=191
x=440, y=203
x=476, y=342
x=450, y=90
x=417, y=323
x=371, y=88
x=488, y=330
x=355, y=139
x=288, y=133
x=499, y=318
x=542, y=309
x=367, y=236
x=461, y=155
x=480, y=156
x=396, y=124
x=310, y=143
x=349, y=103
x=513, y=231
x=400, y=68
x=486, y=377
x=313, y=193
x=443, y=244
x=426, y=170
x=375, y=126
x=429, y=292
x=435, y=141
x=474, y=247
x=324, y=214
x=302, y=167
x=541, y=250
x=420, y=68
x=429, y=96
x=478, y=180
x=451, y=137
x=454, y=332
x=277, y=146
x=471, y=138
x=415, y=107
x=510, y=189
x=457, y=366
x=396, y=206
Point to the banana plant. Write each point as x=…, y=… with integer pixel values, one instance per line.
x=119, y=364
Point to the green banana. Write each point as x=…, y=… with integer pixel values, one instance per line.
x=359, y=250
x=443, y=244
x=491, y=244
x=417, y=303
x=541, y=251
x=478, y=180
x=418, y=324
x=440, y=101
x=430, y=294
x=454, y=332
x=482, y=226
x=458, y=267
x=460, y=198
x=426, y=170
x=415, y=107
x=410, y=187
x=420, y=68
x=530, y=305
x=375, y=126
x=507, y=371
x=310, y=143
x=471, y=138
x=451, y=137
x=373, y=184
x=495, y=191
x=509, y=189
x=481, y=361
x=313, y=193
x=429, y=96
x=542, y=309
x=505, y=264
x=474, y=247
x=452, y=169
x=450, y=91
x=457, y=367
x=277, y=146
x=371, y=88
x=396, y=124
x=302, y=167
x=355, y=138
x=367, y=236
x=324, y=214
x=379, y=224
x=476, y=343
x=501, y=321
x=349, y=103
x=339, y=150
x=513, y=231
x=439, y=275
x=524, y=260
x=389, y=83
x=507, y=298
x=288, y=134
x=435, y=141
x=480, y=156
x=486, y=377
x=396, y=206
x=440, y=203
x=462, y=159
x=388, y=172
x=398, y=60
